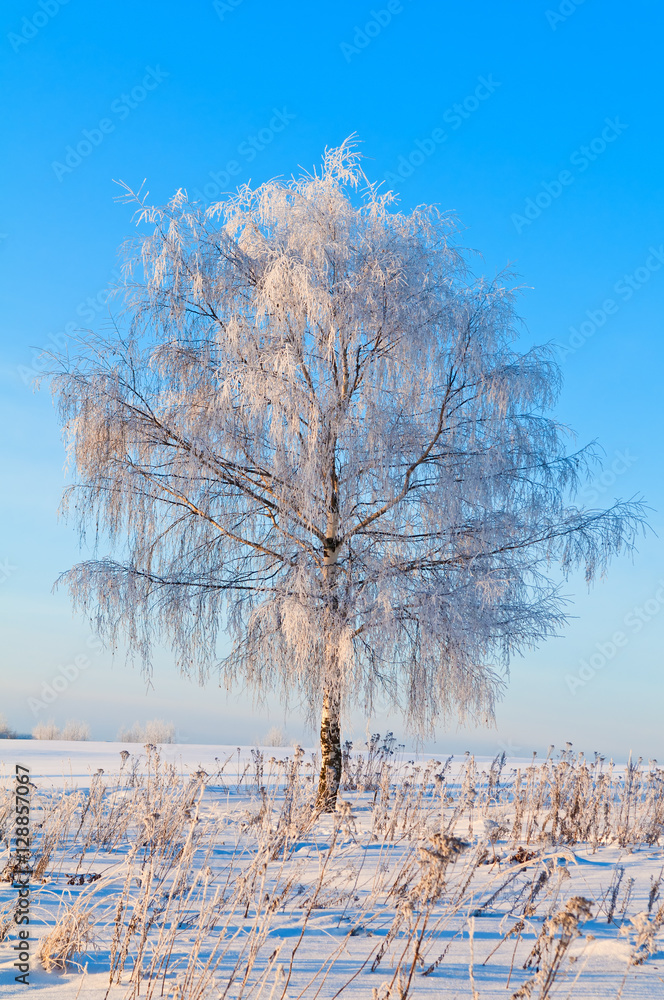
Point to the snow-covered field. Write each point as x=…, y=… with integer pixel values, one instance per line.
x=196, y=871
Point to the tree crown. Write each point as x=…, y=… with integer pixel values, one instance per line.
x=312, y=428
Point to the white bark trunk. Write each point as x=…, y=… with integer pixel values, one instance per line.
x=330, y=744
x=330, y=729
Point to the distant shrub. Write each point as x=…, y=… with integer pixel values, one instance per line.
x=132, y=735
x=5, y=732
x=275, y=737
x=46, y=731
x=154, y=731
x=74, y=730
x=158, y=731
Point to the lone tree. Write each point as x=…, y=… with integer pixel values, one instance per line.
x=312, y=430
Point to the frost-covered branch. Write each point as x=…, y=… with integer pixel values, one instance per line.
x=313, y=431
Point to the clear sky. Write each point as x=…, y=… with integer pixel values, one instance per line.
x=539, y=125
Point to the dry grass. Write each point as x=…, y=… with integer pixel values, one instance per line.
x=71, y=937
x=230, y=885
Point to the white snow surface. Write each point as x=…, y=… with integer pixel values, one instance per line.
x=350, y=857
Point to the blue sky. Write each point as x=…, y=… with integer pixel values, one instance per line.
x=539, y=125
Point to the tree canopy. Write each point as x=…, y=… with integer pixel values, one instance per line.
x=312, y=428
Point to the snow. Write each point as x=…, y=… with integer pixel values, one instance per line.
x=328, y=888
x=60, y=760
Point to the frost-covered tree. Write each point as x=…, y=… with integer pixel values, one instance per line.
x=312, y=430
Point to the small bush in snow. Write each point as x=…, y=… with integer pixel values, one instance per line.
x=74, y=730
x=275, y=737
x=5, y=732
x=46, y=731
x=154, y=731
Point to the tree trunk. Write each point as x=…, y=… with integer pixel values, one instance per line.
x=330, y=730
x=330, y=746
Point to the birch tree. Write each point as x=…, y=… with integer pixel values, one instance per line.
x=311, y=429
